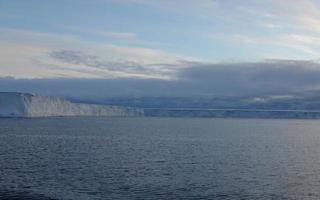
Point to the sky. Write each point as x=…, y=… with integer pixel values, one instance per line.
x=160, y=47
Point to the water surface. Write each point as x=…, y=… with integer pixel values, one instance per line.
x=159, y=158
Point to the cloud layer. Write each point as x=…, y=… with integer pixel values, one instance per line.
x=162, y=48
x=27, y=54
x=268, y=78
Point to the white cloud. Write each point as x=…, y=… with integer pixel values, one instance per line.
x=271, y=28
x=26, y=54
x=118, y=35
x=294, y=27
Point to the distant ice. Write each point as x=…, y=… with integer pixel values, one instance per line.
x=31, y=105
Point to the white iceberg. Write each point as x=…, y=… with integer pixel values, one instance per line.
x=14, y=104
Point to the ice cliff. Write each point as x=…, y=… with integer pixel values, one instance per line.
x=31, y=105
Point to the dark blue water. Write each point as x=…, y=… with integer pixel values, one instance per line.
x=159, y=158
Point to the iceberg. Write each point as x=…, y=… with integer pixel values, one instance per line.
x=14, y=104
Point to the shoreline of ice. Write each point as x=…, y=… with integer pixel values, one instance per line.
x=14, y=104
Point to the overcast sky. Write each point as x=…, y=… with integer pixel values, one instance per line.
x=164, y=47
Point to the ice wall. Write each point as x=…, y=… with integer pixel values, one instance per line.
x=31, y=105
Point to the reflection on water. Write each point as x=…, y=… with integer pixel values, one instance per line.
x=159, y=158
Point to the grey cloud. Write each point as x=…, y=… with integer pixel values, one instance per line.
x=81, y=58
x=273, y=77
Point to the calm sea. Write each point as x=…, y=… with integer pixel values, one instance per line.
x=159, y=158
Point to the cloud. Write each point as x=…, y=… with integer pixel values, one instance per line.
x=27, y=54
x=194, y=7
x=302, y=14
x=280, y=46
x=130, y=68
x=268, y=29
x=118, y=35
x=271, y=28
x=270, y=78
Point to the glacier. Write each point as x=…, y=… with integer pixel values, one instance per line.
x=15, y=104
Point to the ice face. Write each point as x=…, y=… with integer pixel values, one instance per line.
x=31, y=105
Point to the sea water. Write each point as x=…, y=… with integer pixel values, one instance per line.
x=159, y=158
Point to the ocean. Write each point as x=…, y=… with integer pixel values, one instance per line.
x=159, y=158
